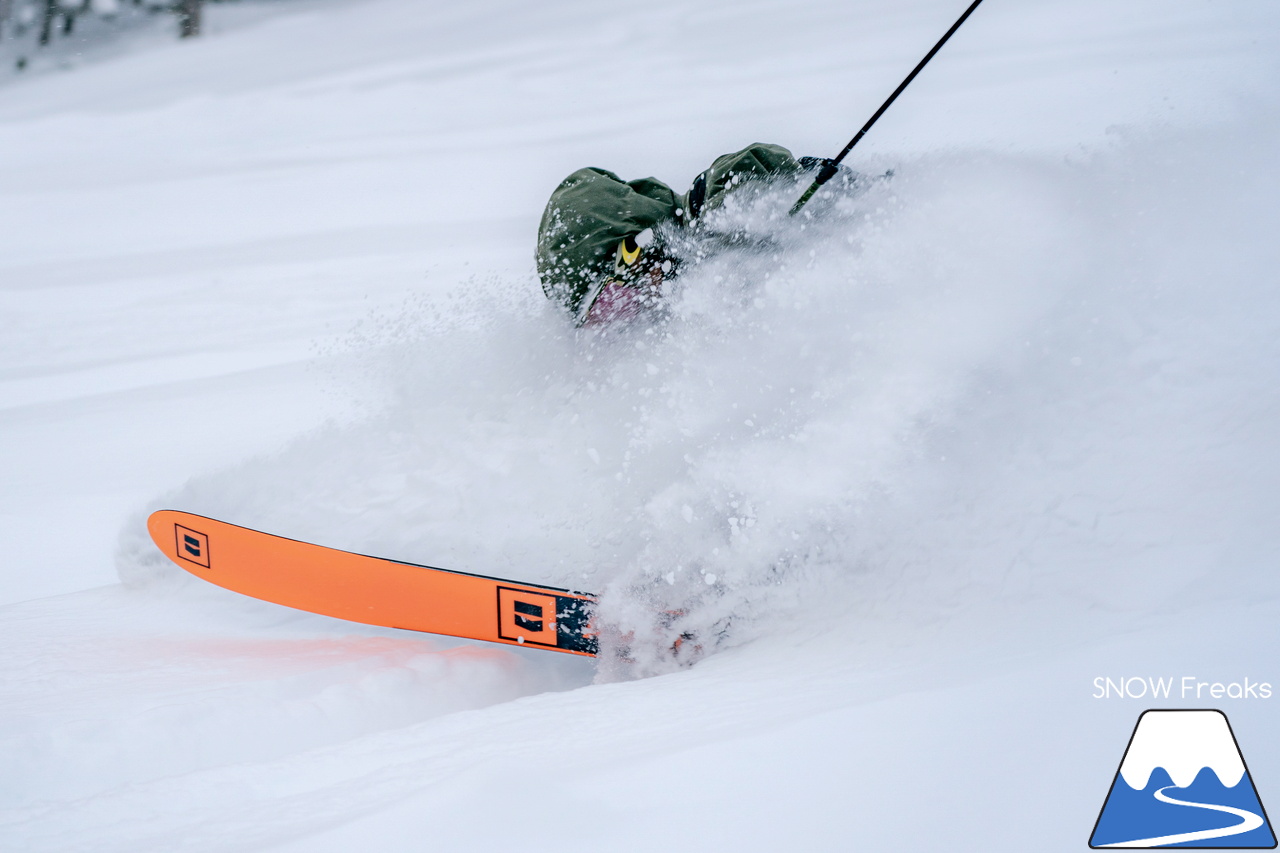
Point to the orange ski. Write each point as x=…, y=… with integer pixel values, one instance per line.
x=373, y=590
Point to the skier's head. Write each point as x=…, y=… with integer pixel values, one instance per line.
x=599, y=253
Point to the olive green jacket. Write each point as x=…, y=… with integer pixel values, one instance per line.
x=594, y=210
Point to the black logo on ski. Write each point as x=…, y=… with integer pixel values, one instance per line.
x=193, y=546
x=544, y=619
x=523, y=611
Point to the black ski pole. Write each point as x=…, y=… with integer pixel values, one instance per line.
x=830, y=168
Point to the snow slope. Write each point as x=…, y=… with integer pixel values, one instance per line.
x=1000, y=426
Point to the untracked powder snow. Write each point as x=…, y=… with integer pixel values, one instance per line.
x=868, y=506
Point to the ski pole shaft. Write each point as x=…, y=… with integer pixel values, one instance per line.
x=829, y=168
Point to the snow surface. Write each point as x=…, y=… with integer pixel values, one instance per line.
x=1001, y=426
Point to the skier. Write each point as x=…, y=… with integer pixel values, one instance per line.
x=601, y=253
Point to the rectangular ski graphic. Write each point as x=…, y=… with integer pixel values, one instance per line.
x=372, y=590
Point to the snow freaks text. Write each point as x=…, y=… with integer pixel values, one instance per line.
x=1186, y=687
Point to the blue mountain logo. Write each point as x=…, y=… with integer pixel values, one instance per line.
x=1183, y=783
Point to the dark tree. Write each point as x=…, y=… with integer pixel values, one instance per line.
x=46, y=23
x=188, y=18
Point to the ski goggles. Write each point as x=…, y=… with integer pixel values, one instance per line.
x=633, y=287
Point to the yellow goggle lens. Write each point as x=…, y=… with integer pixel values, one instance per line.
x=628, y=251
